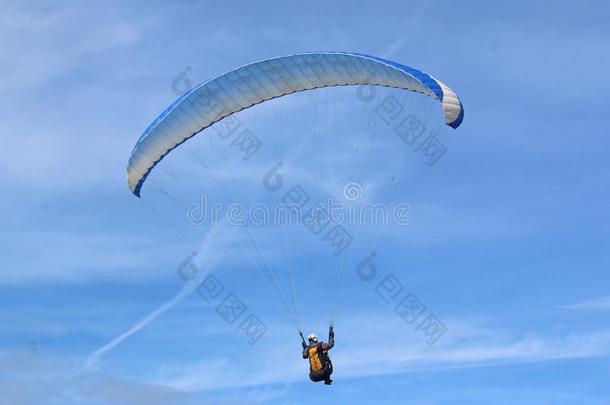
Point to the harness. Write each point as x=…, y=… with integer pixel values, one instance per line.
x=318, y=360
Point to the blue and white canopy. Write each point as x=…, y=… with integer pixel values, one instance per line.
x=257, y=82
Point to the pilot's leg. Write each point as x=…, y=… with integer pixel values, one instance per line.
x=317, y=376
x=328, y=370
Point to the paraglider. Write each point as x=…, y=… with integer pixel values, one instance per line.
x=220, y=98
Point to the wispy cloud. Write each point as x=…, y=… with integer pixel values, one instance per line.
x=411, y=22
x=594, y=304
x=32, y=57
x=264, y=374
x=470, y=346
x=37, y=377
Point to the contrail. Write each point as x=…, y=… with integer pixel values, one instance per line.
x=188, y=288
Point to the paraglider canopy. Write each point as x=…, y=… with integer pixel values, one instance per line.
x=257, y=82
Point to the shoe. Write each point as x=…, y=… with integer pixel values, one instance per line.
x=328, y=382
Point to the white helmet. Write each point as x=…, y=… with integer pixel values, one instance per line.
x=313, y=337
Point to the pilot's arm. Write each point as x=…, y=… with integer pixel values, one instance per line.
x=331, y=340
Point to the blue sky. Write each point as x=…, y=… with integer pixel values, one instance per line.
x=510, y=250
